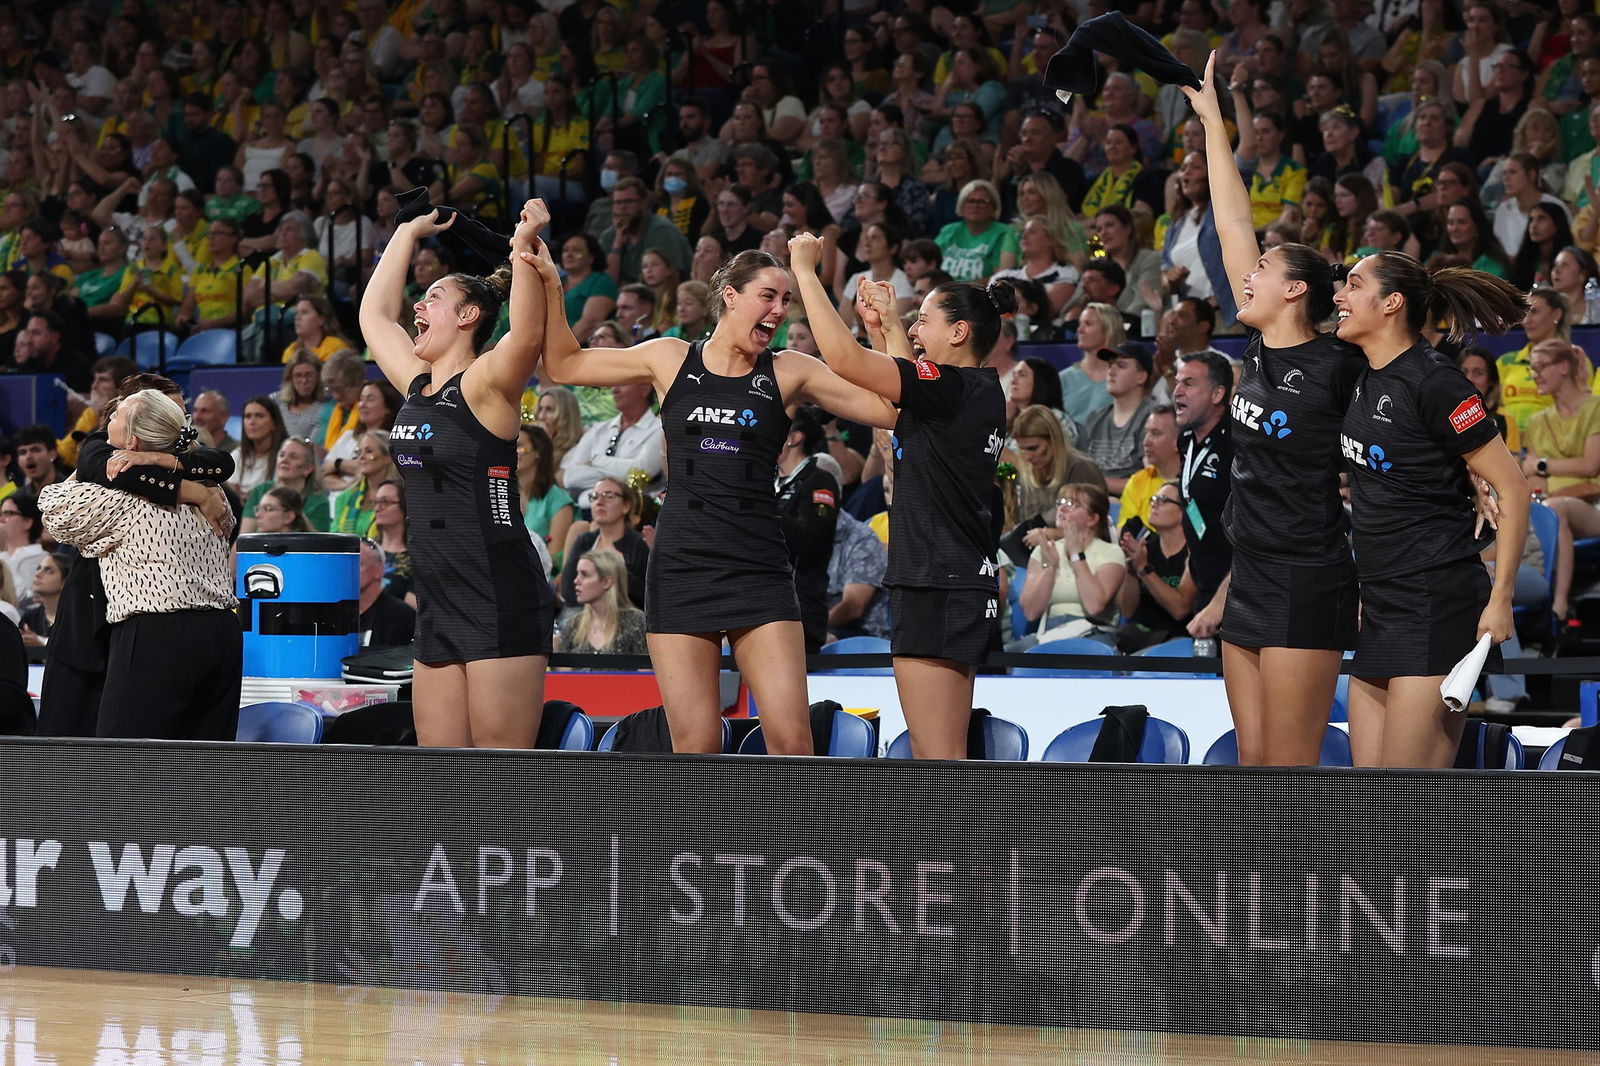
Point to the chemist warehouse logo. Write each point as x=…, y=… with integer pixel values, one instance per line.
x=1467, y=414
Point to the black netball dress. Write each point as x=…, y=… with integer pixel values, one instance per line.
x=943, y=535
x=719, y=561
x=1423, y=586
x=1294, y=582
x=480, y=593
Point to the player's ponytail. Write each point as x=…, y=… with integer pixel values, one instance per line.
x=1465, y=300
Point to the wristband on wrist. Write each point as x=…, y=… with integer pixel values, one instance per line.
x=1080, y=557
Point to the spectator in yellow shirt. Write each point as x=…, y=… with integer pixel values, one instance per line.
x=1162, y=463
x=557, y=134
x=154, y=279
x=296, y=269
x=212, y=300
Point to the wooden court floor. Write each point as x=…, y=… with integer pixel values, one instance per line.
x=58, y=1017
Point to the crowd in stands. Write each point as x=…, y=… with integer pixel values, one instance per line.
x=235, y=165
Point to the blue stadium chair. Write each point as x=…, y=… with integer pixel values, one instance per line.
x=610, y=738
x=1067, y=646
x=579, y=734
x=1003, y=740
x=1551, y=759
x=1163, y=743
x=853, y=738
x=280, y=723
x=859, y=646
x=145, y=348
x=1020, y=626
x=104, y=345
x=1176, y=648
x=1335, y=749
x=214, y=347
x=1511, y=757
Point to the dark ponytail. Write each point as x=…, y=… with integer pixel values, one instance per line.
x=980, y=308
x=1462, y=298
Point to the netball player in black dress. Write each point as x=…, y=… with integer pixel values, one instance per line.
x=942, y=566
x=1414, y=430
x=484, y=609
x=719, y=564
x=1290, y=609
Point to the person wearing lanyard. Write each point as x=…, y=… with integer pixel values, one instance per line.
x=1200, y=396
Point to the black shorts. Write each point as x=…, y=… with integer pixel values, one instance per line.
x=1273, y=604
x=1422, y=624
x=962, y=625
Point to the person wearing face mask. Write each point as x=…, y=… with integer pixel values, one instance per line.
x=619, y=163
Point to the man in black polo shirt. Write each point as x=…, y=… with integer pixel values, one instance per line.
x=1200, y=396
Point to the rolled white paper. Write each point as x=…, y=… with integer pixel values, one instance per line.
x=1457, y=687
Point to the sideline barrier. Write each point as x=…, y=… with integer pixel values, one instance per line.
x=1294, y=904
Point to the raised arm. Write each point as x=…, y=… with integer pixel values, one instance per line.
x=392, y=347
x=566, y=363
x=879, y=310
x=1229, y=197
x=510, y=363
x=846, y=358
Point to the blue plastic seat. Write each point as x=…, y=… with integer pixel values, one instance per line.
x=859, y=646
x=145, y=348
x=579, y=734
x=1551, y=759
x=214, y=347
x=104, y=345
x=1335, y=749
x=1176, y=648
x=1067, y=646
x=280, y=723
x=853, y=738
x=610, y=738
x=1511, y=757
x=1163, y=743
x=1003, y=740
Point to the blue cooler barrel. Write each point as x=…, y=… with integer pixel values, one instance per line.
x=299, y=601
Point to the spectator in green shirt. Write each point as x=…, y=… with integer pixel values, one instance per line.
x=979, y=243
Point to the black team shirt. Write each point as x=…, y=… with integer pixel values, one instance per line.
x=1287, y=414
x=947, y=442
x=1406, y=432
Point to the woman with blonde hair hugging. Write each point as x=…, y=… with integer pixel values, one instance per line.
x=176, y=649
x=609, y=623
